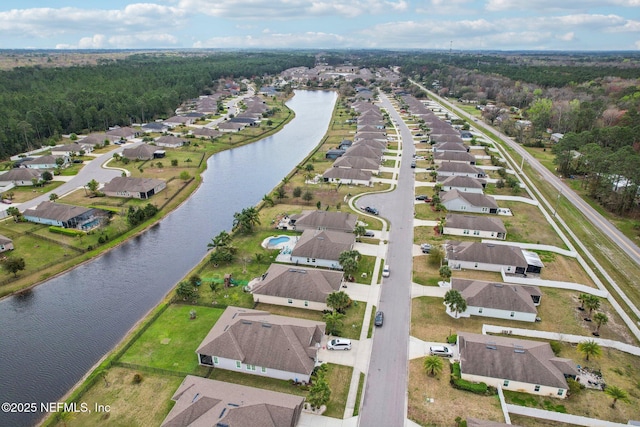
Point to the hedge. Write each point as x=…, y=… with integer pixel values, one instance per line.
x=65, y=231
x=478, y=388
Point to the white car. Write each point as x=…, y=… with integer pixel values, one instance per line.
x=440, y=350
x=385, y=271
x=339, y=344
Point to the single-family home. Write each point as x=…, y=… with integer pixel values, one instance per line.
x=47, y=162
x=485, y=227
x=378, y=136
x=364, y=163
x=179, y=121
x=458, y=201
x=347, y=176
x=514, y=364
x=154, y=127
x=454, y=156
x=372, y=143
x=364, y=151
x=98, y=139
x=491, y=257
x=463, y=184
x=20, y=177
x=446, y=138
x=450, y=146
x=321, y=248
x=71, y=149
x=361, y=127
x=230, y=126
x=137, y=188
x=140, y=152
x=460, y=169
x=206, y=133
x=556, y=137
x=259, y=343
x=6, y=244
x=296, y=286
x=66, y=216
x=323, y=220
x=246, y=119
x=498, y=300
x=170, y=141
x=123, y=133
x=204, y=402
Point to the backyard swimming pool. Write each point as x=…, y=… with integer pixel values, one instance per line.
x=278, y=242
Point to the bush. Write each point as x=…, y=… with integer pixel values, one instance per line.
x=452, y=339
x=137, y=378
x=556, y=347
x=477, y=388
x=66, y=231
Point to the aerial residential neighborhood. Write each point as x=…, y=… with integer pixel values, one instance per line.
x=408, y=267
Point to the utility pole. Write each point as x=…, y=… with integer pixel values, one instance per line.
x=555, y=210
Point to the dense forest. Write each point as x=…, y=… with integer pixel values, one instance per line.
x=40, y=104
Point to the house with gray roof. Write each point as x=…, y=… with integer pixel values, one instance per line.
x=170, y=141
x=323, y=220
x=364, y=163
x=259, y=343
x=347, y=176
x=201, y=402
x=322, y=248
x=155, y=127
x=380, y=136
x=474, y=226
x=231, y=126
x=364, y=151
x=66, y=216
x=460, y=169
x=458, y=201
x=491, y=257
x=21, y=177
x=123, y=133
x=296, y=286
x=450, y=146
x=514, y=364
x=454, y=156
x=179, y=120
x=71, y=149
x=6, y=244
x=46, y=162
x=206, y=133
x=463, y=184
x=497, y=300
x=140, y=152
x=98, y=139
x=136, y=188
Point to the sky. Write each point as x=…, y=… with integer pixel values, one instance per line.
x=593, y=25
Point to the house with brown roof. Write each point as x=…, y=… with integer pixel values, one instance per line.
x=364, y=151
x=140, y=152
x=450, y=146
x=123, y=133
x=491, y=257
x=347, y=176
x=20, y=177
x=136, y=188
x=458, y=201
x=322, y=248
x=454, y=156
x=259, y=343
x=463, y=184
x=362, y=163
x=201, y=402
x=514, y=364
x=476, y=226
x=323, y=220
x=460, y=169
x=98, y=139
x=231, y=126
x=6, y=244
x=206, y=133
x=497, y=300
x=296, y=286
x=66, y=216
x=179, y=120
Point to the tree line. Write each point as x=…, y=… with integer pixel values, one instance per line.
x=40, y=104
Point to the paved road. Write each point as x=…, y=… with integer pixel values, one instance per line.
x=628, y=246
x=385, y=394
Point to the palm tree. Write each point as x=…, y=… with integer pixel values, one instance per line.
x=338, y=301
x=600, y=319
x=592, y=303
x=349, y=260
x=246, y=220
x=589, y=348
x=582, y=298
x=616, y=393
x=53, y=197
x=334, y=322
x=268, y=201
x=221, y=240
x=455, y=302
x=359, y=231
x=445, y=273
x=433, y=365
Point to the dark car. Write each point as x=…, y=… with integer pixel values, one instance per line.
x=371, y=210
x=379, y=319
x=422, y=197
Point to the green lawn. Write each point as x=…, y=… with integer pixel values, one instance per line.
x=171, y=341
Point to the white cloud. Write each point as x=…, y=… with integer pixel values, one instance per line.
x=95, y=42
x=567, y=37
x=276, y=40
x=125, y=41
x=286, y=9
x=555, y=5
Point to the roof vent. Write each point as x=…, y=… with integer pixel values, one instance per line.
x=498, y=285
x=246, y=322
x=266, y=325
x=491, y=345
x=518, y=349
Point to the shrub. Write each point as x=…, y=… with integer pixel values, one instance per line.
x=137, y=378
x=452, y=339
x=556, y=347
x=477, y=388
x=574, y=386
x=65, y=231
x=455, y=370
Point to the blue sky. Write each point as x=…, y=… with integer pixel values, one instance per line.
x=322, y=24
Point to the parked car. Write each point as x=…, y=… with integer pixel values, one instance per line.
x=422, y=197
x=425, y=248
x=369, y=233
x=413, y=164
x=371, y=210
x=379, y=319
x=339, y=344
x=440, y=350
x=385, y=271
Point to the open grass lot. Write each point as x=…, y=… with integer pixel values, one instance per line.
x=448, y=402
x=566, y=269
x=618, y=368
x=424, y=273
x=131, y=405
x=24, y=194
x=528, y=225
x=171, y=341
x=429, y=322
